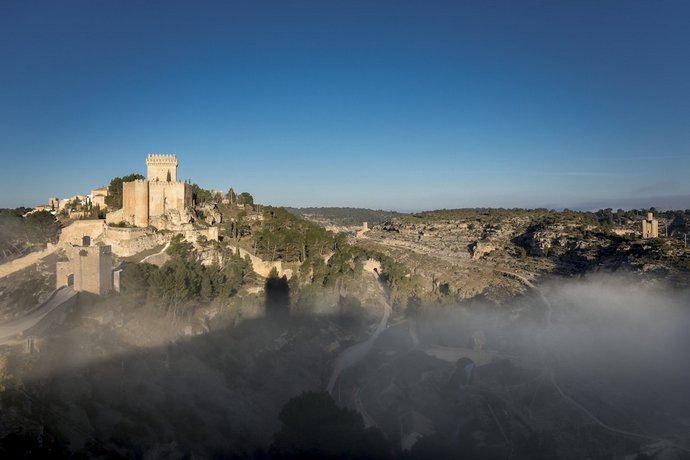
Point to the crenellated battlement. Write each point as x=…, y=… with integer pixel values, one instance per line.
x=161, y=167
x=166, y=184
x=161, y=158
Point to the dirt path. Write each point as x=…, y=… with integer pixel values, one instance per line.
x=162, y=251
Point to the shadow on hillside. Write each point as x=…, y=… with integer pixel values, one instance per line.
x=277, y=292
x=211, y=394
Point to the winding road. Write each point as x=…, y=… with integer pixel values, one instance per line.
x=352, y=355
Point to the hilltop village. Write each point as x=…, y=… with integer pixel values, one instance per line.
x=150, y=211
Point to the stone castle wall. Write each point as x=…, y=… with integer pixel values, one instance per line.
x=73, y=233
x=123, y=234
x=115, y=217
x=63, y=274
x=127, y=242
x=168, y=195
x=135, y=202
x=262, y=267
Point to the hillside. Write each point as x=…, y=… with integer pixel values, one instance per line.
x=343, y=217
x=462, y=254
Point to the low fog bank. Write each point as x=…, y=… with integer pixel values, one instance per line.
x=599, y=368
x=601, y=328
x=581, y=365
x=623, y=330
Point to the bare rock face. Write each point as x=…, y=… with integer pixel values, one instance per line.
x=479, y=249
x=212, y=214
x=390, y=227
x=176, y=217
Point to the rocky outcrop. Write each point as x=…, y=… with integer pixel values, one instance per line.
x=177, y=217
x=479, y=249
x=127, y=242
x=211, y=213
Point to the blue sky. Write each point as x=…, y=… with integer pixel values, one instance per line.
x=398, y=105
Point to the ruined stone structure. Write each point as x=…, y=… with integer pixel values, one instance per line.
x=88, y=268
x=146, y=202
x=650, y=227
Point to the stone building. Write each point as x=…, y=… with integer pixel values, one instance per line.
x=149, y=201
x=650, y=227
x=98, y=197
x=88, y=268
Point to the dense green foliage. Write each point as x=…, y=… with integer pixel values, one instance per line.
x=245, y=198
x=114, y=198
x=314, y=427
x=182, y=283
x=345, y=216
x=283, y=236
x=231, y=196
x=201, y=195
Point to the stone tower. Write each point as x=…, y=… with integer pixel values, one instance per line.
x=161, y=168
x=88, y=269
x=650, y=227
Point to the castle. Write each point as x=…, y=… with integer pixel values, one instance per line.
x=148, y=202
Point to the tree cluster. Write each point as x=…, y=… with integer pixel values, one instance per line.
x=283, y=236
x=114, y=198
x=19, y=233
x=245, y=198
x=201, y=195
x=183, y=283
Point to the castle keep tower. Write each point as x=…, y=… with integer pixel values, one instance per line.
x=162, y=168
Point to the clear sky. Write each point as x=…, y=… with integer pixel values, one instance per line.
x=398, y=105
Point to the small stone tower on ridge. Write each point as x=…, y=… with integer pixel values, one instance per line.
x=650, y=227
x=161, y=168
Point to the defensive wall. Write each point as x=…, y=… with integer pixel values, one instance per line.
x=135, y=202
x=15, y=265
x=164, y=195
x=262, y=267
x=73, y=234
